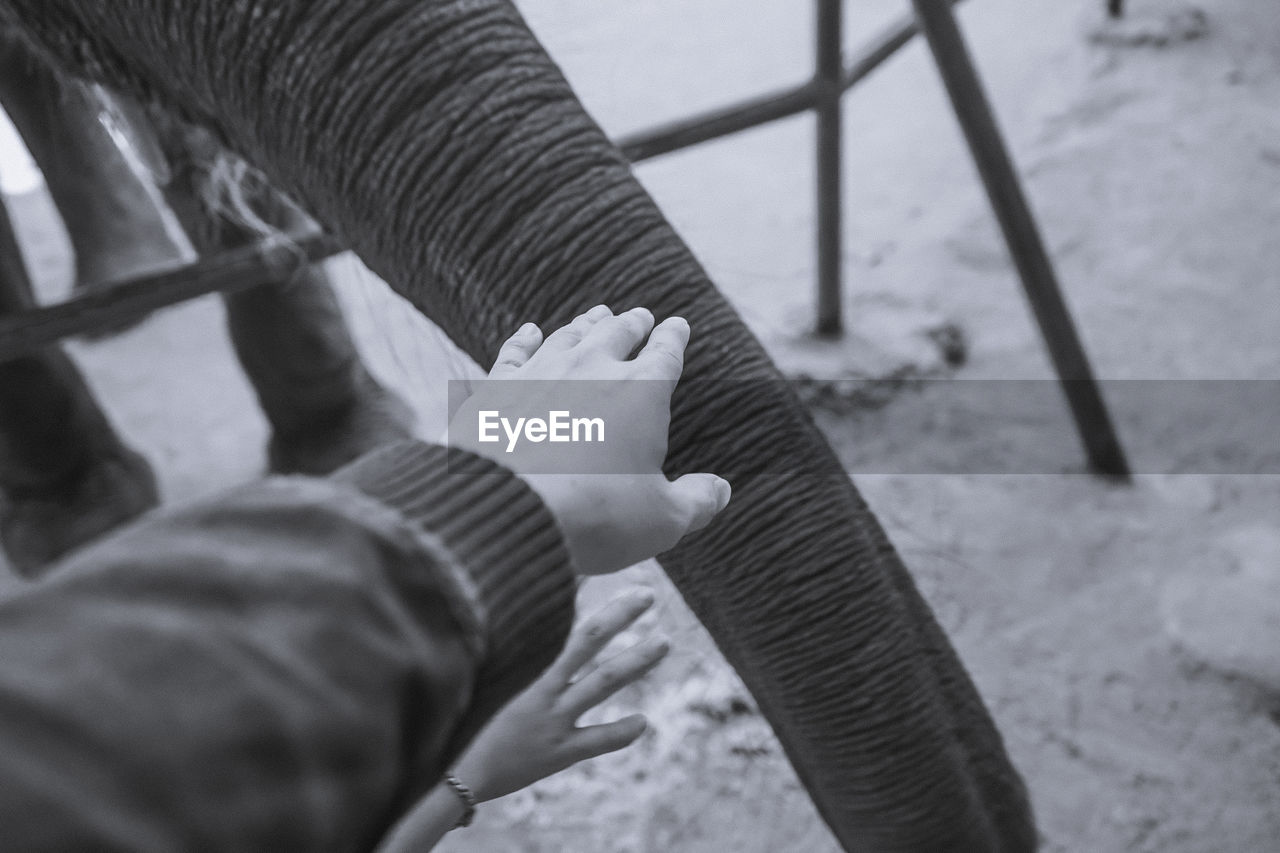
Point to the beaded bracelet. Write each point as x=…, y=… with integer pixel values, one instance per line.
x=467, y=796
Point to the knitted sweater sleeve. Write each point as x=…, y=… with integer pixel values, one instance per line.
x=285, y=667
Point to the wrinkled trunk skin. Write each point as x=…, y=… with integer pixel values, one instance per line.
x=442, y=143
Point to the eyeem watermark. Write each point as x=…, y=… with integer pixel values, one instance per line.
x=559, y=426
x=926, y=426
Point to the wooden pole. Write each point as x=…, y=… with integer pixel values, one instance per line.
x=753, y=112
x=828, y=80
x=263, y=263
x=938, y=24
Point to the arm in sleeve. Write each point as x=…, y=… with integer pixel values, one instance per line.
x=286, y=667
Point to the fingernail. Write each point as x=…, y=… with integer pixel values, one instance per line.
x=660, y=648
x=724, y=491
x=643, y=597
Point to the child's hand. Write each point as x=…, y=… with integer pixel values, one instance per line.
x=613, y=520
x=535, y=735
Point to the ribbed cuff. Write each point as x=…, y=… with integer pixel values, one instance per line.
x=503, y=536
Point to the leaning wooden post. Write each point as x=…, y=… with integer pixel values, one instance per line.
x=938, y=24
x=270, y=261
x=828, y=80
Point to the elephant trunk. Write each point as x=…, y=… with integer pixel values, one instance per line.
x=442, y=143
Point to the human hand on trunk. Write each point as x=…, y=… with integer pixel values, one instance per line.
x=614, y=505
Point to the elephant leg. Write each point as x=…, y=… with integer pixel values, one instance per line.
x=324, y=406
x=112, y=221
x=65, y=476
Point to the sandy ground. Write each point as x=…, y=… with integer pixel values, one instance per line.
x=1154, y=171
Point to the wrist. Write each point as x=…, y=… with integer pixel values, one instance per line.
x=498, y=534
x=468, y=771
x=464, y=796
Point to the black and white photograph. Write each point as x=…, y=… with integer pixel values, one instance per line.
x=674, y=426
